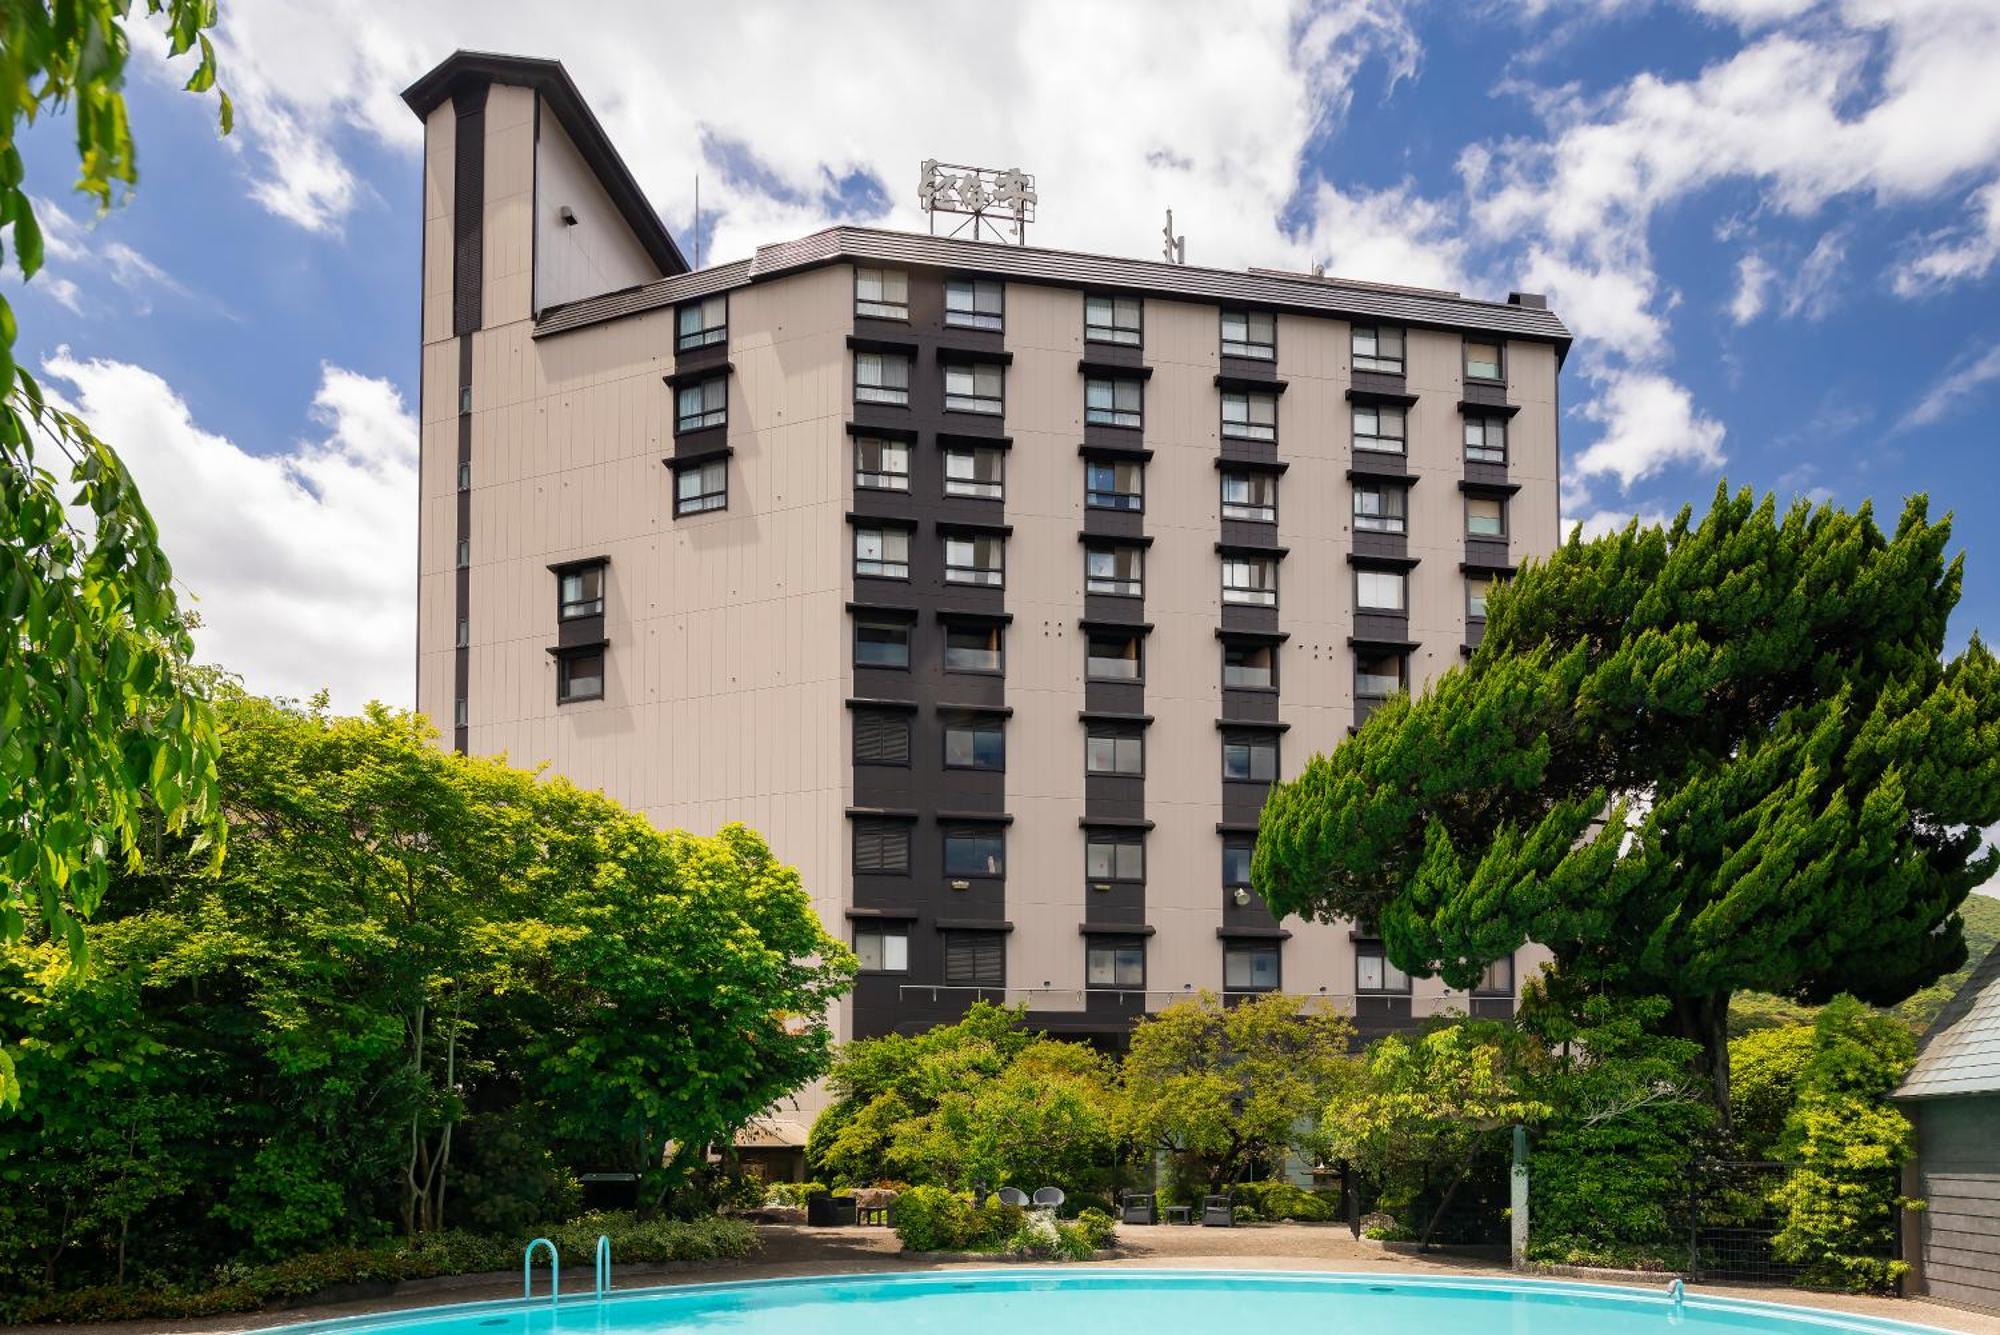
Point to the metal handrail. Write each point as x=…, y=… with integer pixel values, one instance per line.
x=602, y=1283
x=527, y=1270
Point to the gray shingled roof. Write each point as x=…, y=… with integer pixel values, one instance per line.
x=1961, y=1052
x=1326, y=296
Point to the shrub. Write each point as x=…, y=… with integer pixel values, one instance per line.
x=1283, y=1200
x=1097, y=1229
x=791, y=1194
x=931, y=1219
x=1246, y=1214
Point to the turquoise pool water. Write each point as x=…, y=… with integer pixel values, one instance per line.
x=1123, y=1302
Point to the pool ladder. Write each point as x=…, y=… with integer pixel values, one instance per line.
x=1676, y=1301
x=600, y=1280
x=601, y=1283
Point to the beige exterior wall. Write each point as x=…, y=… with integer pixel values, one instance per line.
x=597, y=253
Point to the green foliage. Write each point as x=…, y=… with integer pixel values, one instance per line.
x=1690, y=760
x=1625, y=1115
x=241, y=1288
x=932, y=1219
x=983, y=1101
x=1839, y=1205
x=1225, y=1087
x=1764, y=1070
x=1096, y=1229
x=104, y=729
x=420, y=978
x=792, y=1195
x=1282, y=1200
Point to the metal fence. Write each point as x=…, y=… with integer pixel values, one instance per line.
x=1728, y=1221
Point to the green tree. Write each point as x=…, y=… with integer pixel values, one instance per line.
x=101, y=720
x=1764, y=1069
x=1226, y=1088
x=1689, y=760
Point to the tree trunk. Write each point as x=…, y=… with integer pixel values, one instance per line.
x=1437, y=1215
x=1705, y=1020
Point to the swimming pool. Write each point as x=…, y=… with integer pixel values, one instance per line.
x=1070, y=1301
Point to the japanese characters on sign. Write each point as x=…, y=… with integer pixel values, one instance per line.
x=981, y=192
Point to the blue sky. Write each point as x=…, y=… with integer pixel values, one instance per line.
x=1774, y=226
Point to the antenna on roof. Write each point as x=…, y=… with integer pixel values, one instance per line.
x=697, y=220
x=1176, y=247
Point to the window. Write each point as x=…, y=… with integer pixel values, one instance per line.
x=1486, y=440
x=703, y=322
x=1482, y=361
x=975, y=852
x=974, y=388
x=972, y=649
x=465, y=398
x=1108, y=485
x=1379, y=428
x=702, y=487
x=1118, y=570
x=460, y=714
x=1114, y=402
x=1377, y=675
x=1250, y=334
x=1379, y=590
x=883, y=294
x=1374, y=973
x=1498, y=980
x=974, y=303
x=465, y=476
x=464, y=552
x=882, y=847
x=1247, y=664
x=973, y=471
x=882, y=465
x=580, y=592
x=1248, y=415
x=882, y=949
x=1249, y=966
x=1114, y=855
x=703, y=404
x=1378, y=507
x=1250, y=581
x=975, y=742
x=1478, y=588
x=1250, y=496
x=882, y=644
x=974, y=560
x=1114, y=753
x=1485, y=517
x=881, y=737
x=882, y=377
x=882, y=552
x=1378, y=349
x=464, y=632
x=580, y=675
x=1249, y=759
x=1111, y=962
x=1236, y=862
x=1111, y=657
x=975, y=959
x=1111, y=320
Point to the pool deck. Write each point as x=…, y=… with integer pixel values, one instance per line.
x=791, y=1250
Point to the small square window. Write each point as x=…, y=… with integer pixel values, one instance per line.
x=1250, y=581
x=975, y=471
x=1114, y=855
x=881, y=737
x=1118, y=753
x=1485, y=517
x=882, y=949
x=977, y=741
x=1497, y=980
x=882, y=644
x=580, y=592
x=1250, y=496
x=883, y=553
x=702, y=487
x=975, y=959
x=1380, y=591
x=1378, y=676
x=1249, y=415
x=882, y=847
x=1252, y=334
x=703, y=322
x=1478, y=588
x=1250, y=966
x=1115, y=570
x=703, y=404
x=464, y=633
x=1379, y=507
x=882, y=377
x=1249, y=759
x=1379, y=428
x=1249, y=664
x=975, y=387
x=975, y=559
x=1378, y=348
x=465, y=476
x=1112, y=320
x=978, y=851
x=1113, y=485
x=464, y=552
x=1111, y=657
x=882, y=294
x=465, y=398
x=1482, y=361
x=1373, y=973
x=460, y=713
x=972, y=648
x=1236, y=862
x=1109, y=962
x=580, y=676
x=1486, y=440
x=1108, y=402
x=974, y=303
x=881, y=465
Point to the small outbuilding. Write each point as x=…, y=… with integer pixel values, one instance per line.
x=1952, y=1094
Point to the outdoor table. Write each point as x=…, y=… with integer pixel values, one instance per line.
x=1178, y=1214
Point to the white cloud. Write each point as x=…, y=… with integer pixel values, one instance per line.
x=1954, y=254
x=1814, y=289
x=1649, y=423
x=302, y=561
x=1966, y=377
x=70, y=245
x=1392, y=235
x=1598, y=523
x=1753, y=282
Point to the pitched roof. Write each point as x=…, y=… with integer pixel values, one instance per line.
x=1259, y=287
x=1961, y=1051
x=461, y=69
